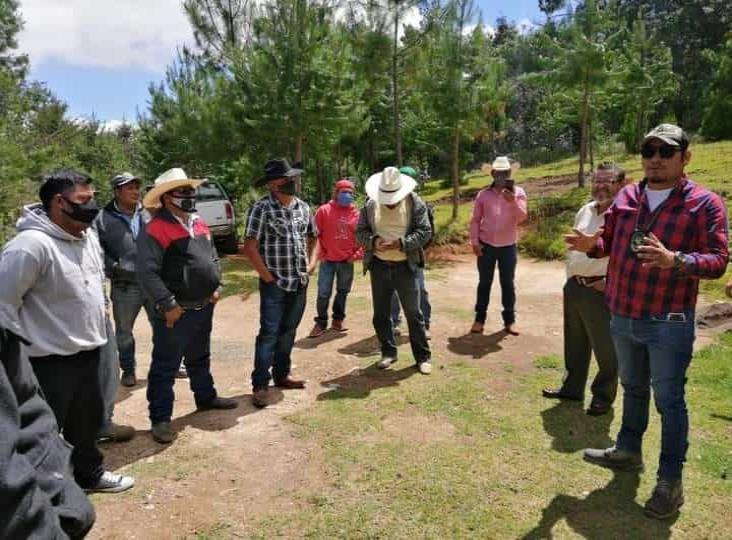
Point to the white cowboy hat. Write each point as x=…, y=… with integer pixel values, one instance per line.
x=389, y=186
x=168, y=181
x=501, y=163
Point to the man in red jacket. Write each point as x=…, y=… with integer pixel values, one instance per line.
x=337, y=248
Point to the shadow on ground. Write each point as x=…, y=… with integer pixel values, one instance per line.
x=476, y=345
x=143, y=446
x=313, y=343
x=360, y=383
x=608, y=512
x=572, y=430
x=368, y=346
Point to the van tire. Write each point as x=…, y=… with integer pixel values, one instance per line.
x=230, y=244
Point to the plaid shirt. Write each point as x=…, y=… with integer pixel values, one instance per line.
x=281, y=232
x=692, y=220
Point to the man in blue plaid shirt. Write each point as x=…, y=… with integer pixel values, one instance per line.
x=280, y=236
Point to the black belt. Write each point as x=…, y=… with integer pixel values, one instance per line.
x=586, y=281
x=390, y=263
x=194, y=306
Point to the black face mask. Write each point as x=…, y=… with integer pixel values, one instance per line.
x=288, y=188
x=82, y=212
x=187, y=204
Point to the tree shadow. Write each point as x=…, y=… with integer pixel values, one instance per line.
x=313, y=343
x=476, y=345
x=721, y=417
x=607, y=512
x=143, y=446
x=368, y=346
x=572, y=430
x=360, y=383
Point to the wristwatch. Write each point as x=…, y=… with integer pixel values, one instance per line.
x=679, y=261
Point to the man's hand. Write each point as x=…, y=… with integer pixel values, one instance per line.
x=311, y=267
x=382, y=245
x=599, y=285
x=579, y=241
x=654, y=254
x=477, y=250
x=172, y=316
x=215, y=297
x=509, y=195
x=268, y=277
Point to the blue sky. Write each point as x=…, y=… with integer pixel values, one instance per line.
x=100, y=56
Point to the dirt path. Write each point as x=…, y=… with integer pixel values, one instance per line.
x=236, y=466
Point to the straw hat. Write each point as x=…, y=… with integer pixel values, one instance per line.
x=168, y=181
x=389, y=186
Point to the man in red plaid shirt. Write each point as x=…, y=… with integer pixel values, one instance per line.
x=662, y=236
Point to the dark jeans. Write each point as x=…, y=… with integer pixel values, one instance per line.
x=655, y=354
x=189, y=338
x=342, y=274
x=424, y=302
x=386, y=279
x=127, y=301
x=587, y=330
x=70, y=385
x=280, y=312
x=506, y=257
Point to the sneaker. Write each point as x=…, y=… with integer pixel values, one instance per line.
x=111, y=482
x=317, y=331
x=667, y=498
x=427, y=333
x=260, y=397
x=613, y=458
x=116, y=433
x=162, y=433
x=338, y=326
x=398, y=329
x=386, y=361
x=128, y=379
x=425, y=368
x=477, y=328
x=182, y=372
x=218, y=403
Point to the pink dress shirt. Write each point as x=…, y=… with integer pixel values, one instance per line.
x=495, y=220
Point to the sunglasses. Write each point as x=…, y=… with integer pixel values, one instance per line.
x=665, y=151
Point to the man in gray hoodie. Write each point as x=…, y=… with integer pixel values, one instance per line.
x=53, y=297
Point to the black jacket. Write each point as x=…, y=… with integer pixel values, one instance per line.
x=120, y=247
x=38, y=495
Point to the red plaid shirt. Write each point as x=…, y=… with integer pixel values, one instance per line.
x=692, y=220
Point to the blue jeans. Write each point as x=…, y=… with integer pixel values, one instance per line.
x=386, y=279
x=280, y=313
x=189, y=338
x=654, y=353
x=506, y=257
x=424, y=302
x=127, y=301
x=342, y=274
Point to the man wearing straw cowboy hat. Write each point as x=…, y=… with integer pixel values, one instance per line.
x=280, y=236
x=497, y=212
x=179, y=272
x=393, y=228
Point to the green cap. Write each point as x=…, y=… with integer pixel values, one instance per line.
x=409, y=171
x=670, y=134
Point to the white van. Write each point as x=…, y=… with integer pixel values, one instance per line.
x=215, y=207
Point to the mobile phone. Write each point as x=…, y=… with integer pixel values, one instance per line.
x=508, y=184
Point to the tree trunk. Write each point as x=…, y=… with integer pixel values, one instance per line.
x=395, y=89
x=455, y=172
x=583, y=134
x=591, y=145
x=298, y=158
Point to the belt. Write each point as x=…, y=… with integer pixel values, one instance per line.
x=194, y=306
x=390, y=263
x=586, y=281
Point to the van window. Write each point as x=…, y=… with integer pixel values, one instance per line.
x=209, y=192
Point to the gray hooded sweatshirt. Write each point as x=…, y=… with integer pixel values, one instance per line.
x=51, y=287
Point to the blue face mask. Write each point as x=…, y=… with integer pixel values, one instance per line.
x=344, y=198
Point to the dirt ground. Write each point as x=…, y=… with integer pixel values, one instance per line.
x=239, y=465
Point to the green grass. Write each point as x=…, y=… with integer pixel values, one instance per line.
x=238, y=276
x=451, y=456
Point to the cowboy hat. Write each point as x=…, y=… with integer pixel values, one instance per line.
x=168, y=181
x=277, y=168
x=389, y=186
x=501, y=163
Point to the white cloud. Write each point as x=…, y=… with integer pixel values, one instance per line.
x=113, y=34
x=526, y=26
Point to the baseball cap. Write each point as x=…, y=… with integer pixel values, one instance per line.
x=344, y=183
x=122, y=179
x=670, y=134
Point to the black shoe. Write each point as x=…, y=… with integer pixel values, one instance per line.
x=162, y=433
x=128, y=379
x=667, y=498
x=558, y=394
x=612, y=458
x=598, y=410
x=218, y=403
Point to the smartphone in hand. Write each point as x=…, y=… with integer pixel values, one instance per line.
x=509, y=184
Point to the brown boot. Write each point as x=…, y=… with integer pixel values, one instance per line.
x=317, y=331
x=338, y=326
x=260, y=398
x=116, y=433
x=288, y=383
x=477, y=328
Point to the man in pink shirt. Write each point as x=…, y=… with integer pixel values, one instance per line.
x=497, y=212
x=336, y=248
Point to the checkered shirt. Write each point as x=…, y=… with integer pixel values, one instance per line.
x=282, y=233
x=693, y=220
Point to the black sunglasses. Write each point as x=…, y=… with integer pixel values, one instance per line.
x=666, y=151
